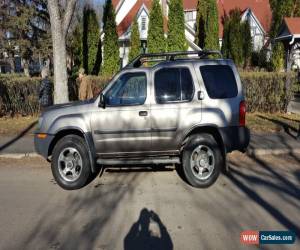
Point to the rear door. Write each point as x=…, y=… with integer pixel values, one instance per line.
x=173, y=106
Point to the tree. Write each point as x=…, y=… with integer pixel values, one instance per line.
x=200, y=23
x=25, y=29
x=90, y=41
x=277, y=57
x=110, y=48
x=176, y=31
x=247, y=43
x=60, y=22
x=212, y=26
x=156, y=37
x=135, y=42
x=233, y=43
x=207, y=25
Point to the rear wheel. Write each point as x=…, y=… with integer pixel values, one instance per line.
x=70, y=165
x=202, y=160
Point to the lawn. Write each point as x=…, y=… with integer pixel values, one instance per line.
x=17, y=125
x=264, y=122
x=257, y=122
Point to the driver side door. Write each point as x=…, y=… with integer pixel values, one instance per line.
x=123, y=127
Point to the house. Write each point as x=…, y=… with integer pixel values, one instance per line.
x=256, y=12
x=289, y=34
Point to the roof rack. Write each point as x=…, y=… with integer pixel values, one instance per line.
x=170, y=56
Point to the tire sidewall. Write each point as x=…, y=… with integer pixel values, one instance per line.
x=79, y=144
x=194, y=142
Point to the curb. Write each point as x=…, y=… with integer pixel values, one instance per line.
x=19, y=156
x=262, y=152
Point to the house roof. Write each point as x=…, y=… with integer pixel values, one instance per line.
x=293, y=24
x=127, y=21
x=260, y=8
x=190, y=4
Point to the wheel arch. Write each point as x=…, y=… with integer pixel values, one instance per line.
x=79, y=132
x=209, y=129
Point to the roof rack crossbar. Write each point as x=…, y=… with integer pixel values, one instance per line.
x=170, y=56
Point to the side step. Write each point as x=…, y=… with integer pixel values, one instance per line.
x=142, y=161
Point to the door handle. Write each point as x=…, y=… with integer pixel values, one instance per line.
x=143, y=113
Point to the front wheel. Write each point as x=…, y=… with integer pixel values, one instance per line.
x=70, y=165
x=202, y=160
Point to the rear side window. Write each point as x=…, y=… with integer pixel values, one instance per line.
x=219, y=81
x=173, y=85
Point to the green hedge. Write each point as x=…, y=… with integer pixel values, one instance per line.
x=18, y=95
x=265, y=92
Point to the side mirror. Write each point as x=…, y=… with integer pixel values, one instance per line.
x=200, y=95
x=102, y=101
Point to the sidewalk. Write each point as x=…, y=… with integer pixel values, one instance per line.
x=261, y=144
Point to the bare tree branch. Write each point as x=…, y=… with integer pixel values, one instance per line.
x=71, y=4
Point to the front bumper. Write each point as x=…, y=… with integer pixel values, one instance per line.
x=235, y=138
x=42, y=145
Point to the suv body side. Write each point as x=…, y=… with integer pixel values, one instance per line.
x=159, y=130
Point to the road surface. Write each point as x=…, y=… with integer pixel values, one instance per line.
x=146, y=209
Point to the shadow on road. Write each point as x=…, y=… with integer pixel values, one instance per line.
x=270, y=178
x=148, y=233
x=82, y=218
x=19, y=136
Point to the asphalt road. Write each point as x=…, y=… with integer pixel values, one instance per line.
x=146, y=209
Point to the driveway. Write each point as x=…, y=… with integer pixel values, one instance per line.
x=145, y=209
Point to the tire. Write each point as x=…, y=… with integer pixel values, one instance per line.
x=71, y=167
x=202, y=161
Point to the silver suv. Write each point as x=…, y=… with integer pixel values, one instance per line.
x=186, y=109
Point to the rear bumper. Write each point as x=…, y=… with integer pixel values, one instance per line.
x=42, y=145
x=235, y=138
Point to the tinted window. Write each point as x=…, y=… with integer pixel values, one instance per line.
x=173, y=85
x=219, y=81
x=129, y=89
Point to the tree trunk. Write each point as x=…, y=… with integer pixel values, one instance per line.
x=59, y=29
x=61, y=93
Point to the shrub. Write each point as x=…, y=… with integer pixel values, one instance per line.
x=19, y=95
x=265, y=91
x=98, y=83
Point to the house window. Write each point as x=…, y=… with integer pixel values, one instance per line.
x=144, y=22
x=188, y=15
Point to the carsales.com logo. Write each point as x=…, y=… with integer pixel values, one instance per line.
x=267, y=237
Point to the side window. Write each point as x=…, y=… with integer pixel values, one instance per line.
x=173, y=85
x=219, y=81
x=129, y=90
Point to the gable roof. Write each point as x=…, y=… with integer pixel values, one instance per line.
x=127, y=21
x=293, y=24
x=260, y=8
x=190, y=5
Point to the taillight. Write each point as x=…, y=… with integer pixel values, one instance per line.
x=242, y=113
